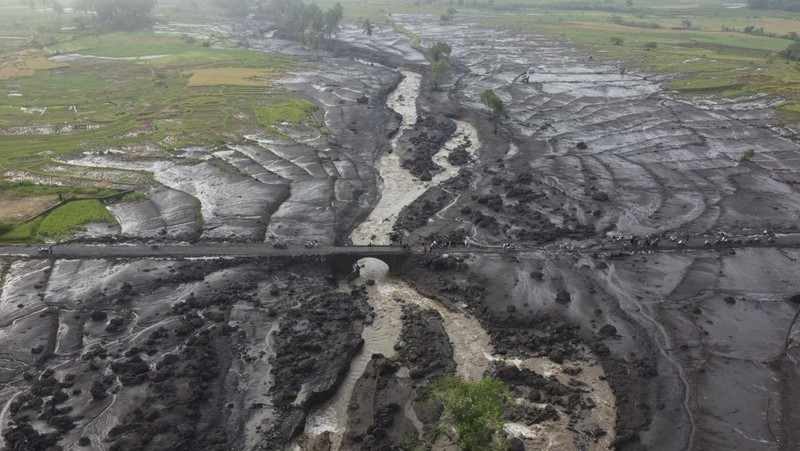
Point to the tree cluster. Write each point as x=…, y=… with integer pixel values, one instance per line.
x=307, y=23
x=118, y=14
x=784, y=5
x=792, y=52
x=439, y=53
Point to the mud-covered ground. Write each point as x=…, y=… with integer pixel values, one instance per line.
x=642, y=349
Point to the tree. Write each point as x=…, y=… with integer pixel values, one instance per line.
x=473, y=412
x=686, y=23
x=747, y=156
x=332, y=19
x=495, y=105
x=440, y=50
x=438, y=69
x=367, y=26
x=792, y=52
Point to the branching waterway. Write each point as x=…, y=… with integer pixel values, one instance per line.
x=472, y=350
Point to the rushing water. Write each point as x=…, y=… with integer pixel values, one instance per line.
x=400, y=187
x=472, y=350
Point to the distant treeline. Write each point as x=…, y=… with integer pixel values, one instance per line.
x=306, y=22
x=118, y=14
x=784, y=5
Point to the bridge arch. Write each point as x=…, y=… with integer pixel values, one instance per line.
x=343, y=263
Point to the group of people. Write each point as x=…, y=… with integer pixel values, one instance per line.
x=445, y=243
x=682, y=239
x=634, y=241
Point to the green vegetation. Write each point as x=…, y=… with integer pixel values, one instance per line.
x=135, y=196
x=747, y=156
x=473, y=412
x=440, y=50
x=439, y=53
x=123, y=103
x=306, y=22
x=495, y=105
x=616, y=40
x=367, y=27
x=60, y=223
x=438, y=69
x=792, y=52
x=290, y=110
x=23, y=233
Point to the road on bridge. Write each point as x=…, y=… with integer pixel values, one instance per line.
x=207, y=249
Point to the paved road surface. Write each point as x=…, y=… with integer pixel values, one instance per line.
x=266, y=250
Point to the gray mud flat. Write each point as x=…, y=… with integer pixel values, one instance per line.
x=168, y=354
x=697, y=346
x=654, y=348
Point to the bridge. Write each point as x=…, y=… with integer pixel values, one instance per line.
x=341, y=258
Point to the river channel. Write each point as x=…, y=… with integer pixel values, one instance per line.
x=472, y=350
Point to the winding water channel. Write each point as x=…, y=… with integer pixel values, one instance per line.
x=472, y=350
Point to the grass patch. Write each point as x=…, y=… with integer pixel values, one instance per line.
x=23, y=233
x=136, y=196
x=69, y=218
x=291, y=110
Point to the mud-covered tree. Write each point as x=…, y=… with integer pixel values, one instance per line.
x=438, y=69
x=440, y=50
x=747, y=156
x=333, y=17
x=473, y=412
x=367, y=27
x=495, y=105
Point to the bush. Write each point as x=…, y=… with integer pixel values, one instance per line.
x=135, y=196
x=474, y=411
x=69, y=218
x=747, y=156
x=652, y=45
x=616, y=40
